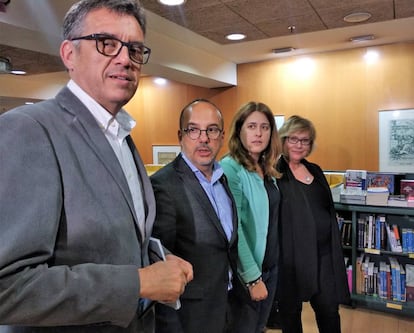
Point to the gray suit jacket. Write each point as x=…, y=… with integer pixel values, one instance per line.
x=189, y=227
x=69, y=243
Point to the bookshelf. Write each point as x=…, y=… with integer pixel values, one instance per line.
x=377, y=298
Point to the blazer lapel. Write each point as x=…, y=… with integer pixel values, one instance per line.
x=193, y=185
x=146, y=188
x=87, y=127
x=223, y=180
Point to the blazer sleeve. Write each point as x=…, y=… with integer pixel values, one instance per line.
x=33, y=289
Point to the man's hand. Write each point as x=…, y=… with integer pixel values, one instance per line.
x=165, y=281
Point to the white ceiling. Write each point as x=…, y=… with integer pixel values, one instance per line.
x=201, y=56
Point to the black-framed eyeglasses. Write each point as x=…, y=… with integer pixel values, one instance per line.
x=294, y=140
x=110, y=46
x=194, y=133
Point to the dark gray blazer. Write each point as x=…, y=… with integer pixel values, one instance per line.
x=69, y=243
x=189, y=227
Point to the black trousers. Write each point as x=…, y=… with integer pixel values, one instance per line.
x=323, y=303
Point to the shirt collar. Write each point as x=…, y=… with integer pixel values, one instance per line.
x=217, y=170
x=118, y=126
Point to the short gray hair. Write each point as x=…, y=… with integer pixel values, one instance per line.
x=74, y=18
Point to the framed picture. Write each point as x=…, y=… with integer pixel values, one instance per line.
x=396, y=140
x=164, y=154
x=279, y=121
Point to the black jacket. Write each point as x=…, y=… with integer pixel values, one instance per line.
x=299, y=240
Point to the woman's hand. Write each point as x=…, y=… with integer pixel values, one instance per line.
x=258, y=292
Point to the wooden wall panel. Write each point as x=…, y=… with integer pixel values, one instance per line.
x=341, y=95
x=157, y=108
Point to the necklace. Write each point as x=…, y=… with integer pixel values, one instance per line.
x=308, y=179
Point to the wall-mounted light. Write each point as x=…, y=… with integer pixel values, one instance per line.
x=371, y=56
x=160, y=81
x=362, y=38
x=283, y=49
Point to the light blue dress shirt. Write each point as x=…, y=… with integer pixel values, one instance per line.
x=217, y=195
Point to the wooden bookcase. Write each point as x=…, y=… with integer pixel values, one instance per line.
x=404, y=218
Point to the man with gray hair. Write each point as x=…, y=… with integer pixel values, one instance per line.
x=77, y=207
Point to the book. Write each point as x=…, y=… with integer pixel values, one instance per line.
x=397, y=237
x=356, y=180
x=359, y=276
x=392, y=240
x=395, y=279
x=361, y=232
x=381, y=179
x=382, y=280
x=377, y=196
x=346, y=233
x=388, y=282
x=349, y=277
x=407, y=187
x=397, y=200
x=156, y=253
x=371, y=232
x=409, y=282
x=354, y=191
x=403, y=283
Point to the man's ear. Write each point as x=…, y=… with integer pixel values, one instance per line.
x=180, y=135
x=67, y=54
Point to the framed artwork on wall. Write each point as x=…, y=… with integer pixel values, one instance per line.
x=164, y=154
x=396, y=140
x=279, y=121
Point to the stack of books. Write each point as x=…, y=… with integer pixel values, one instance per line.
x=377, y=196
x=397, y=200
x=354, y=191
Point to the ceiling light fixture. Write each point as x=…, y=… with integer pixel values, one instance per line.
x=17, y=72
x=172, y=2
x=283, y=49
x=357, y=17
x=362, y=38
x=7, y=68
x=236, y=36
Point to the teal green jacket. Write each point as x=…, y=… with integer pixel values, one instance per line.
x=253, y=217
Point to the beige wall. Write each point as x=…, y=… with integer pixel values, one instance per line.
x=342, y=97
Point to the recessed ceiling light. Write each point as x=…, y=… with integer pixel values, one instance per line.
x=18, y=72
x=357, y=17
x=362, y=38
x=171, y=2
x=236, y=36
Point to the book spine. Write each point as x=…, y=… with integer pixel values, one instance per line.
x=403, y=281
